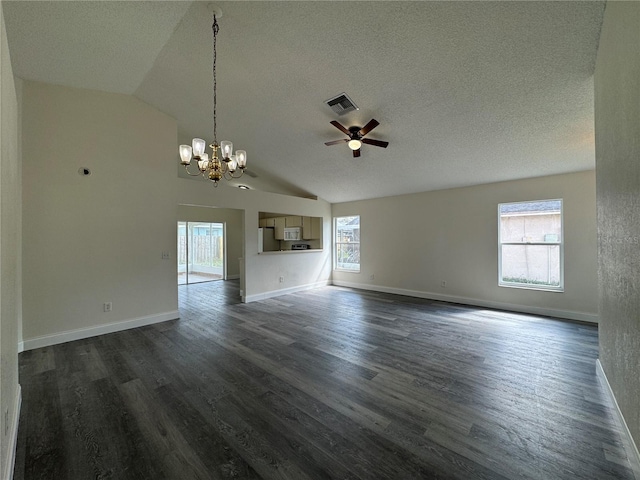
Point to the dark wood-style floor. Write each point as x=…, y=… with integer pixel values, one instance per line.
x=331, y=383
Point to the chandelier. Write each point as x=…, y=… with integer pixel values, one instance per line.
x=223, y=163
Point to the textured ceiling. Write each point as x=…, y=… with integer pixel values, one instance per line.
x=99, y=45
x=465, y=92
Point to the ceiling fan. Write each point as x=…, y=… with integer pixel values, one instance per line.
x=356, y=135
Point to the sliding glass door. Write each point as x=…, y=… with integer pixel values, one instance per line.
x=201, y=255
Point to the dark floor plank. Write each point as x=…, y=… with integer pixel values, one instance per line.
x=251, y=444
x=42, y=423
x=221, y=460
x=174, y=454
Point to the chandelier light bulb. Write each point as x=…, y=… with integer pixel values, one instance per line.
x=227, y=149
x=241, y=158
x=198, y=147
x=233, y=164
x=203, y=163
x=185, y=154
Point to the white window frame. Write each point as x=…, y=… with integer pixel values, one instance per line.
x=560, y=243
x=336, y=244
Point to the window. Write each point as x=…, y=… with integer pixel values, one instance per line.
x=531, y=245
x=347, y=243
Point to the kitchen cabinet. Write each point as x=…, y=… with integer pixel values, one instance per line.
x=293, y=221
x=267, y=222
x=279, y=225
x=311, y=228
x=306, y=228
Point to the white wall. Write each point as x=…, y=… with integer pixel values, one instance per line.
x=234, y=221
x=617, y=116
x=10, y=264
x=262, y=271
x=90, y=240
x=411, y=243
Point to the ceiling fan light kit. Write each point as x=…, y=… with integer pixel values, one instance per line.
x=356, y=136
x=223, y=163
x=354, y=144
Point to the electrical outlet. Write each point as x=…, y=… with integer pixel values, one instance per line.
x=108, y=306
x=166, y=255
x=372, y=276
x=281, y=279
x=443, y=283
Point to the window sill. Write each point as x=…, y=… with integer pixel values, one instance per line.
x=540, y=288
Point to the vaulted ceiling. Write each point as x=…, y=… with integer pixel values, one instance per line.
x=465, y=92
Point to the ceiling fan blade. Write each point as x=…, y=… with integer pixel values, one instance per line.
x=336, y=142
x=356, y=153
x=340, y=127
x=377, y=143
x=373, y=123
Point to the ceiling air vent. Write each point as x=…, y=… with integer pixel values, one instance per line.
x=342, y=104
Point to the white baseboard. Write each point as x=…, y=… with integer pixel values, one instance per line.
x=13, y=436
x=548, y=312
x=80, y=333
x=630, y=445
x=284, y=291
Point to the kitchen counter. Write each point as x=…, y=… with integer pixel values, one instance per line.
x=277, y=252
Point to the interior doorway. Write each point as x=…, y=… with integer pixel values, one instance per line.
x=201, y=252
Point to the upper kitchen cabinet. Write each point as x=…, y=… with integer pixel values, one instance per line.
x=267, y=222
x=279, y=226
x=311, y=228
x=293, y=221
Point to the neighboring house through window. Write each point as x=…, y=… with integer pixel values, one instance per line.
x=346, y=245
x=531, y=245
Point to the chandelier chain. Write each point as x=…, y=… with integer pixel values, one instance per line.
x=215, y=28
